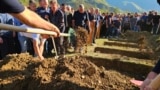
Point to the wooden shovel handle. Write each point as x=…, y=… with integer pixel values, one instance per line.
x=29, y=30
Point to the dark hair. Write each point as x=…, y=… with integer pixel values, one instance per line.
x=81, y=5
x=63, y=4
x=158, y=1
x=31, y=1
x=53, y=1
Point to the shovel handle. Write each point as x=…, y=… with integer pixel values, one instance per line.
x=29, y=30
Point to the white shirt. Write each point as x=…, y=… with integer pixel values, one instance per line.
x=33, y=36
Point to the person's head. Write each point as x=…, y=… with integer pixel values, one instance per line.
x=155, y=13
x=69, y=8
x=63, y=7
x=111, y=14
x=135, y=14
x=81, y=8
x=32, y=5
x=54, y=5
x=103, y=14
x=43, y=3
x=92, y=10
x=88, y=10
x=129, y=14
x=72, y=10
x=97, y=11
x=150, y=12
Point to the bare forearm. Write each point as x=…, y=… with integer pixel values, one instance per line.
x=89, y=25
x=151, y=75
x=30, y=18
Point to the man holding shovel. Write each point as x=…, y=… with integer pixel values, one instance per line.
x=17, y=10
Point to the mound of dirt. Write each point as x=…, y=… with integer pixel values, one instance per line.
x=22, y=72
x=145, y=40
x=81, y=40
x=150, y=40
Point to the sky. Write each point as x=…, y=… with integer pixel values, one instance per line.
x=144, y=4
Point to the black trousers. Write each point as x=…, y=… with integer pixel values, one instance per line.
x=59, y=41
x=4, y=48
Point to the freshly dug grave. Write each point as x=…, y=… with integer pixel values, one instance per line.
x=22, y=72
x=144, y=40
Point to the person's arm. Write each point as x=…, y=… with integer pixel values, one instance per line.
x=73, y=20
x=88, y=22
x=1, y=40
x=106, y=20
x=154, y=85
x=32, y=19
x=89, y=25
x=148, y=80
x=151, y=76
x=60, y=21
x=37, y=49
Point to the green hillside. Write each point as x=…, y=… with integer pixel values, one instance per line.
x=102, y=4
x=24, y=1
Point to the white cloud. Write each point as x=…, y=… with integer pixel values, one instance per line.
x=125, y=3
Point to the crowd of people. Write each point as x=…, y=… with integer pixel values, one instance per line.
x=97, y=24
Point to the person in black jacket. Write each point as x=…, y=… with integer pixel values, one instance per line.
x=56, y=17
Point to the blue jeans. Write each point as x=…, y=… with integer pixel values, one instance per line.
x=137, y=28
x=113, y=32
x=23, y=43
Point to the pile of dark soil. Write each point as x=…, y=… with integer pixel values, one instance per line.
x=22, y=72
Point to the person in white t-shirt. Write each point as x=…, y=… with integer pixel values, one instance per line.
x=38, y=42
